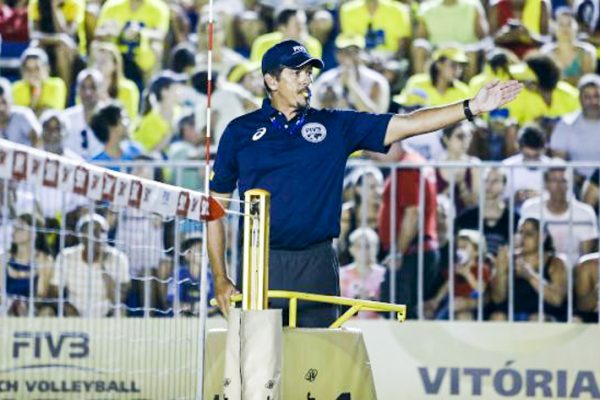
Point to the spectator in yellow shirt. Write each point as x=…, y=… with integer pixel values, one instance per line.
x=441, y=85
x=37, y=90
x=545, y=98
x=385, y=24
x=106, y=58
x=56, y=25
x=157, y=125
x=139, y=28
x=446, y=22
x=291, y=24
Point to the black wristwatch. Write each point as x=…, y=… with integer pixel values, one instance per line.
x=468, y=113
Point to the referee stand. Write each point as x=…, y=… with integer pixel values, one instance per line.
x=257, y=359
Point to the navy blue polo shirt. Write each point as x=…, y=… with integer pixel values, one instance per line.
x=300, y=162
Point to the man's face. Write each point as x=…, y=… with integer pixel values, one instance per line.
x=93, y=243
x=52, y=134
x=530, y=154
x=88, y=93
x=121, y=128
x=293, y=87
x=557, y=185
x=590, y=101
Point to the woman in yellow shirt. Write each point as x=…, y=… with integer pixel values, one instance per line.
x=57, y=25
x=37, y=90
x=441, y=85
x=108, y=60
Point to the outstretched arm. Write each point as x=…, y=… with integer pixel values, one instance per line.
x=491, y=96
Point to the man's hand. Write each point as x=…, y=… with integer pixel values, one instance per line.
x=224, y=289
x=494, y=95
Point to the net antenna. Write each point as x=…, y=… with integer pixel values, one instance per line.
x=207, y=174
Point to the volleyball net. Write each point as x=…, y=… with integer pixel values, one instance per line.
x=100, y=247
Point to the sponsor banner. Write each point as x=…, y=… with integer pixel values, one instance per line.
x=469, y=360
x=157, y=359
x=51, y=358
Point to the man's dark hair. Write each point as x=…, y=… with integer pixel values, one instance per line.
x=498, y=60
x=200, y=78
x=276, y=73
x=557, y=168
x=182, y=57
x=546, y=70
x=283, y=15
x=104, y=118
x=532, y=136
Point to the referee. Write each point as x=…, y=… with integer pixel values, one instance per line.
x=299, y=154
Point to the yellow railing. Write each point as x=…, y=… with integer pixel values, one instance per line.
x=255, y=284
x=355, y=305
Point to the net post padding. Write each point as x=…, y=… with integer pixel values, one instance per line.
x=254, y=354
x=256, y=250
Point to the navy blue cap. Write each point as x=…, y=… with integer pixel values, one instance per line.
x=289, y=54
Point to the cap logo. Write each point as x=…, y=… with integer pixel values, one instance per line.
x=314, y=132
x=299, y=49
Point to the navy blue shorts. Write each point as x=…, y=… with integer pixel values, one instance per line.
x=310, y=270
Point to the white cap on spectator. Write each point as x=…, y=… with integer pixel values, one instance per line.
x=587, y=80
x=474, y=237
x=34, y=52
x=93, y=73
x=97, y=218
x=49, y=114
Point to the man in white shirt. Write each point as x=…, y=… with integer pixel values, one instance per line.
x=577, y=136
x=17, y=124
x=526, y=182
x=80, y=138
x=360, y=87
x=572, y=224
x=95, y=274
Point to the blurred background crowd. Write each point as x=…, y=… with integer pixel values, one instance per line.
x=122, y=80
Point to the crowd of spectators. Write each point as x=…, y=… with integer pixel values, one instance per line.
x=120, y=80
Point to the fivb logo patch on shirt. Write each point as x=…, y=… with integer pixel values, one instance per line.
x=314, y=132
